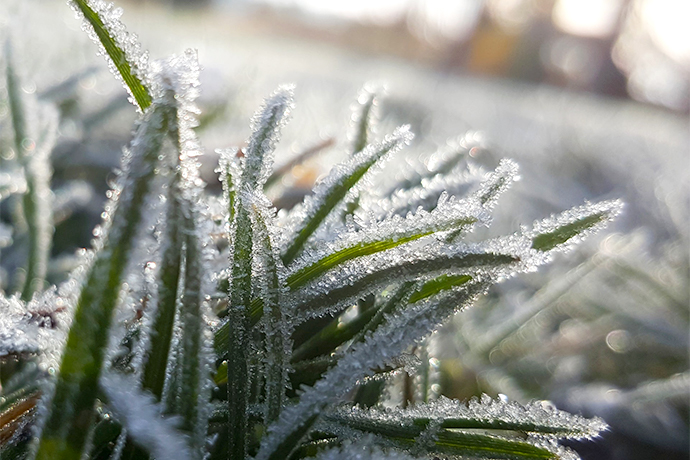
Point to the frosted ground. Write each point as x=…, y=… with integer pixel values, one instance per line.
x=570, y=147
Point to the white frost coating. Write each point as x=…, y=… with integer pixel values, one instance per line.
x=266, y=126
x=457, y=183
x=542, y=415
x=448, y=215
x=269, y=270
x=609, y=210
x=356, y=278
x=312, y=203
x=39, y=327
x=362, y=449
x=128, y=42
x=175, y=81
x=497, y=182
x=381, y=347
x=142, y=417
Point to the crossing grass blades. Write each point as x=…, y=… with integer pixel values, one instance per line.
x=230, y=332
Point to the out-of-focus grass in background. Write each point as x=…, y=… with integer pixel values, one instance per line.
x=590, y=97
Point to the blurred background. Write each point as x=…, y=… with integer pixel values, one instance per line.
x=591, y=97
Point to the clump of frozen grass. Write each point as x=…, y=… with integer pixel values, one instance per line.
x=147, y=359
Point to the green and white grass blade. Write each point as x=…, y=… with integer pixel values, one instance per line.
x=266, y=126
x=70, y=410
x=349, y=282
x=437, y=285
x=538, y=417
x=240, y=297
x=379, y=348
x=449, y=216
x=142, y=416
x=194, y=372
x=37, y=203
x=35, y=131
x=364, y=117
x=168, y=280
x=561, y=232
x=127, y=61
x=342, y=181
x=497, y=182
x=275, y=323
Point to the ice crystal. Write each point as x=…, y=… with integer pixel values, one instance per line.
x=143, y=418
x=538, y=417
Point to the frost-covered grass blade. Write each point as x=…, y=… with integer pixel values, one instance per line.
x=70, y=410
x=571, y=225
x=364, y=117
x=105, y=27
x=266, y=125
x=35, y=132
x=337, y=185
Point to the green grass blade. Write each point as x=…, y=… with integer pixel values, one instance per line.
x=384, y=236
x=436, y=285
x=101, y=23
x=364, y=117
x=168, y=278
x=239, y=331
x=336, y=187
x=35, y=130
x=70, y=411
x=291, y=442
x=193, y=376
x=398, y=333
x=336, y=292
x=497, y=182
x=569, y=227
x=275, y=322
x=266, y=126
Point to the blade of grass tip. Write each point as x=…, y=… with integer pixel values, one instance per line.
x=405, y=430
x=70, y=411
x=239, y=330
x=563, y=230
x=277, y=337
x=364, y=116
x=103, y=25
x=266, y=126
x=342, y=180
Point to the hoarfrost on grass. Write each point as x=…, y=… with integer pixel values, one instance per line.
x=342, y=184
x=143, y=418
x=134, y=55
